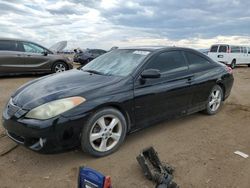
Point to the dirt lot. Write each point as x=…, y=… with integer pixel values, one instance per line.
x=200, y=148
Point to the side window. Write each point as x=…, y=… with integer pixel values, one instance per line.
x=6, y=45
x=244, y=50
x=235, y=49
x=223, y=48
x=168, y=62
x=196, y=61
x=32, y=48
x=214, y=48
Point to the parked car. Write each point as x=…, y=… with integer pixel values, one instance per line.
x=117, y=93
x=24, y=57
x=230, y=55
x=84, y=57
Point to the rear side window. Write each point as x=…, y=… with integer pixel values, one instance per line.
x=244, y=50
x=223, y=48
x=214, y=48
x=9, y=46
x=168, y=62
x=196, y=61
x=32, y=48
x=235, y=49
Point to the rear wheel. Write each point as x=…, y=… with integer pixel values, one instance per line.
x=59, y=67
x=214, y=100
x=104, y=132
x=233, y=64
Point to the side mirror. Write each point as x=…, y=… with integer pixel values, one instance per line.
x=45, y=53
x=151, y=73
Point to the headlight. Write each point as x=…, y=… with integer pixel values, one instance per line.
x=54, y=108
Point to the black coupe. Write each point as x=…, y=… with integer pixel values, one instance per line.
x=117, y=93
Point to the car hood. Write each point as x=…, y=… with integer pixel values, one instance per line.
x=61, y=85
x=59, y=46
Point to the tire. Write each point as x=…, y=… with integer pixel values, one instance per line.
x=59, y=67
x=99, y=136
x=233, y=64
x=248, y=65
x=214, y=101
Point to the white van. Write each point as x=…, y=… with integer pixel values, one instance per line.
x=230, y=55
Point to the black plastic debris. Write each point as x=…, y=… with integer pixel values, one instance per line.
x=155, y=170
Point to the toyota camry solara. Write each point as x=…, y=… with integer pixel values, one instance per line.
x=120, y=92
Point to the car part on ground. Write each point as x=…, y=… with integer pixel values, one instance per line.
x=155, y=170
x=134, y=87
x=25, y=57
x=90, y=178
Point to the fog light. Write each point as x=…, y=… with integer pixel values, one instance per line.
x=41, y=141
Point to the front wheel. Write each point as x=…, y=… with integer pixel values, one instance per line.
x=104, y=132
x=59, y=67
x=233, y=64
x=214, y=100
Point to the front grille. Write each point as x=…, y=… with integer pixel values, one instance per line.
x=11, y=108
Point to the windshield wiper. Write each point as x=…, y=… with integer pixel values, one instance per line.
x=94, y=72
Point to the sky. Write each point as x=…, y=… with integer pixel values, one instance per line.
x=106, y=23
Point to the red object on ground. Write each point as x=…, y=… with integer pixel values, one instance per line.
x=107, y=182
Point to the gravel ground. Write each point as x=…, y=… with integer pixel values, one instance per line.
x=200, y=147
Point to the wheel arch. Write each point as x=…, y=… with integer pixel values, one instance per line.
x=59, y=61
x=221, y=84
x=234, y=59
x=118, y=107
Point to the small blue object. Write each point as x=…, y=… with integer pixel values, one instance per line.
x=90, y=178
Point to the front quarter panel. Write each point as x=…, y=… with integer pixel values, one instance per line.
x=122, y=99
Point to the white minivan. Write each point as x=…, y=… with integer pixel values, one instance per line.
x=231, y=55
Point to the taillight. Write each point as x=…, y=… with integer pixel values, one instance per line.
x=229, y=70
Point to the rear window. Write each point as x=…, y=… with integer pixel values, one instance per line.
x=6, y=45
x=196, y=61
x=214, y=48
x=223, y=48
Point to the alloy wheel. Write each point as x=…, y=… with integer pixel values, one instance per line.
x=215, y=100
x=105, y=133
x=60, y=68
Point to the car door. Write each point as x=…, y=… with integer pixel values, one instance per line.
x=236, y=54
x=245, y=56
x=248, y=56
x=11, y=57
x=35, y=57
x=161, y=98
x=204, y=78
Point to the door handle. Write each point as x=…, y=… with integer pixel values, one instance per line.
x=190, y=79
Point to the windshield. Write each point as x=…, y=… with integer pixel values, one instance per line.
x=117, y=62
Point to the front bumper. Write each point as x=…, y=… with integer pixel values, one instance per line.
x=46, y=136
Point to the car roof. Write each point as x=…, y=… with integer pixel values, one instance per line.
x=14, y=39
x=156, y=48
x=22, y=40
